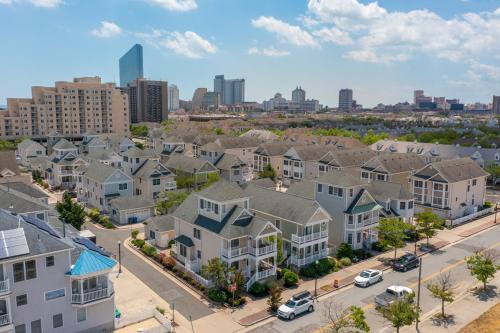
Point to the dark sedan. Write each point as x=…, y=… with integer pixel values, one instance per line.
x=406, y=262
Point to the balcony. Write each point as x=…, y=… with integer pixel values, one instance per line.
x=234, y=252
x=309, y=259
x=4, y=286
x=92, y=296
x=264, y=250
x=310, y=237
x=266, y=273
x=4, y=319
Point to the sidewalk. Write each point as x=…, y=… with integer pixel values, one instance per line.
x=255, y=311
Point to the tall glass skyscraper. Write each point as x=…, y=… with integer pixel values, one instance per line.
x=131, y=65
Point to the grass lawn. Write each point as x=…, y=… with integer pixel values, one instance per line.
x=488, y=322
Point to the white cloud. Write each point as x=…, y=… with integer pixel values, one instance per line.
x=285, y=32
x=333, y=35
x=188, y=44
x=106, y=30
x=175, y=5
x=269, y=52
x=331, y=10
x=368, y=55
x=36, y=3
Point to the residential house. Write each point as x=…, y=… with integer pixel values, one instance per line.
x=104, y=156
x=134, y=158
x=233, y=169
x=174, y=144
x=450, y=188
x=202, y=140
x=152, y=178
x=159, y=230
x=26, y=191
x=241, y=147
x=270, y=153
x=63, y=161
x=130, y=210
x=217, y=223
x=99, y=183
x=341, y=159
x=301, y=162
x=118, y=143
x=28, y=149
x=49, y=283
x=19, y=203
x=9, y=169
x=183, y=165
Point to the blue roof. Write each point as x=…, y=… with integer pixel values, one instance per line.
x=91, y=262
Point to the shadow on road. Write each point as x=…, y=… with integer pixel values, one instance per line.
x=485, y=295
x=438, y=320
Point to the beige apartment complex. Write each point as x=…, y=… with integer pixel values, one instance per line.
x=69, y=108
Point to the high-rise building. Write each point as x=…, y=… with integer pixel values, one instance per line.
x=211, y=100
x=298, y=95
x=345, y=99
x=231, y=92
x=440, y=102
x=219, y=86
x=131, y=65
x=416, y=95
x=173, y=97
x=496, y=105
x=148, y=101
x=198, y=98
x=69, y=108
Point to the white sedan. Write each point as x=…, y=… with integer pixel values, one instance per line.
x=368, y=277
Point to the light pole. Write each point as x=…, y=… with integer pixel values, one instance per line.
x=316, y=280
x=496, y=211
x=119, y=257
x=418, y=291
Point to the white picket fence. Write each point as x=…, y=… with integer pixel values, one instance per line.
x=462, y=220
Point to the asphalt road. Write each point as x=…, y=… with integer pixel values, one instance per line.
x=184, y=302
x=448, y=259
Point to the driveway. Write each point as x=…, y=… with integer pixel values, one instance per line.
x=184, y=302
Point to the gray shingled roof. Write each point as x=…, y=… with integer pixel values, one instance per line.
x=188, y=164
x=8, y=161
x=25, y=188
x=133, y=202
x=260, y=182
x=344, y=158
x=305, y=188
x=27, y=143
x=311, y=152
x=161, y=223
x=230, y=142
x=452, y=170
x=152, y=167
x=13, y=203
x=222, y=191
x=262, y=135
x=228, y=161
x=98, y=171
x=394, y=163
x=273, y=148
x=134, y=152
x=344, y=178
x=64, y=144
x=381, y=191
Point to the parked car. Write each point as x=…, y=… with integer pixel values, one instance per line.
x=299, y=303
x=368, y=277
x=406, y=262
x=392, y=294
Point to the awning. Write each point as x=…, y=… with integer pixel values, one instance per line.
x=364, y=208
x=185, y=240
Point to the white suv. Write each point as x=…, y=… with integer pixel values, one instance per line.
x=299, y=303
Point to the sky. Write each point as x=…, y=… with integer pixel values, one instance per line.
x=382, y=50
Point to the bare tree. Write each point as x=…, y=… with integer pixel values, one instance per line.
x=442, y=288
x=344, y=319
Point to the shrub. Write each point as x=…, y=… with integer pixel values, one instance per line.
x=160, y=310
x=258, y=289
x=308, y=271
x=344, y=250
x=488, y=204
x=94, y=214
x=149, y=250
x=216, y=295
x=171, y=243
x=168, y=262
x=361, y=254
x=138, y=242
x=324, y=266
x=291, y=279
x=237, y=301
x=109, y=225
x=134, y=234
x=346, y=261
x=380, y=247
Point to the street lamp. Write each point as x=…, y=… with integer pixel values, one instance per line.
x=119, y=257
x=418, y=292
x=496, y=211
x=316, y=280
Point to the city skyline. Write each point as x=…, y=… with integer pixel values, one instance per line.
x=273, y=46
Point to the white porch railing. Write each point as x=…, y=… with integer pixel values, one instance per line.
x=4, y=319
x=84, y=298
x=192, y=265
x=310, y=259
x=234, y=252
x=267, y=273
x=260, y=251
x=310, y=237
x=4, y=286
x=251, y=281
x=202, y=280
x=469, y=217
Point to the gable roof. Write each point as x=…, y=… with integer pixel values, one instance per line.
x=344, y=178
x=8, y=162
x=394, y=163
x=452, y=170
x=273, y=148
x=343, y=158
x=28, y=143
x=63, y=144
x=305, y=188
x=189, y=164
x=16, y=204
x=135, y=152
x=230, y=142
x=152, y=168
x=24, y=188
x=309, y=153
x=133, y=202
x=100, y=172
x=357, y=206
x=222, y=191
x=262, y=135
x=160, y=223
x=228, y=161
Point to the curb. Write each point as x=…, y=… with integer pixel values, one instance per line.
x=257, y=321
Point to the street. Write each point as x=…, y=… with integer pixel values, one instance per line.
x=184, y=302
x=448, y=259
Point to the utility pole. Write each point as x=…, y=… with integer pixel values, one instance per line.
x=119, y=257
x=418, y=291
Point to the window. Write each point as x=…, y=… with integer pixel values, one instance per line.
x=81, y=314
x=156, y=181
x=381, y=177
x=20, y=328
x=49, y=261
x=36, y=326
x=196, y=233
x=235, y=242
x=198, y=254
x=122, y=187
x=18, y=271
x=365, y=175
x=322, y=168
x=57, y=320
x=330, y=190
x=410, y=204
x=349, y=238
x=418, y=183
x=182, y=250
x=21, y=300
x=40, y=216
x=351, y=219
x=50, y=295
x=236, y=172
x=278, y=224
x=337, y=191
x=358, y=237
x=474, y=182
x=202, y=203
x=216, y=209
x=351, y=192
x=285, y=162
x=402, y=205
x=320, y=188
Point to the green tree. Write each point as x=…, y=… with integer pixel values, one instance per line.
x=391, y=231
x=274, y=299
x=371, y=137
x=139, y=130
x=37, y=176
x=344, y=319
x=279, y=244
x=442, y=289
x=94, y=214
x=71, y=212
x=482, y=265
x=401, y=313
x=268, y=172
x=170, y=199
x=428, y=223
x=218, y=131
x=218, y=272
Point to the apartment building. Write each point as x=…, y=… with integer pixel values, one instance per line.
x=450, y=188
x=217, y=223
x=242, y=147
x=70, y=108
x=341, y=159
x=301, y=162
x=270, y=153
x=49, y=283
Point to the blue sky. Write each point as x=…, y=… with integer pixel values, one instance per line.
x=382, y=50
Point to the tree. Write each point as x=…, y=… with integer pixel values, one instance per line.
x=274, y=299
x=442, y=289
x=482, y=265
x=170, y=199
x=139, y=130
x=218, y=272
x=218, y=131
x=71, y=212
x=268, y=172
x=428, y=223
x=94, y=214
x=344, y=319
x=391, y=231
x=401, y=312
